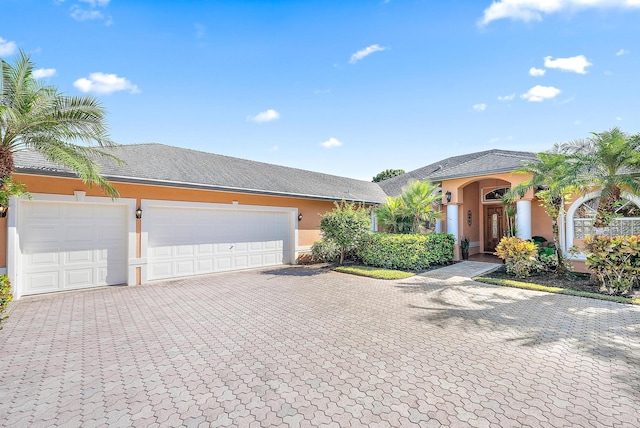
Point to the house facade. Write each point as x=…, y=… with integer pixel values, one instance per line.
x=183, y=212
x=472, y=189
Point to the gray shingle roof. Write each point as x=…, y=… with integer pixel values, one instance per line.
x=168, y=165
x=472, y=164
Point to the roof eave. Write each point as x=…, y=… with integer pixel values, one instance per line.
x=166, y=183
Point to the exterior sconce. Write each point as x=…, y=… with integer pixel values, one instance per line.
x=300, y=217
x=138, y=213
x=448, y=196
x=3, y=211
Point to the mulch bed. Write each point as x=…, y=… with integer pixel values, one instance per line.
x=575, y=281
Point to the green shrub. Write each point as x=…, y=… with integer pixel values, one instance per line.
x=345, y=226
x=324, y=252
x=520, y=256
x=5, y=296
x=615, y=262
x=408, y=252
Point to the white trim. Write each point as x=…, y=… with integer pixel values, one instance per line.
x=570, y=230
x=145, y=204
x=14, y=259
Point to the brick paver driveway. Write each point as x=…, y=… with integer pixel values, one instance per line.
x=306, y=347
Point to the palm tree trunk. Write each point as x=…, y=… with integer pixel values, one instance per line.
x=6, y=163
x=606, y=208
x=561, y=269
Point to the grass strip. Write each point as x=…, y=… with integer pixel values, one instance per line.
x=557, y=290
x=374, y=272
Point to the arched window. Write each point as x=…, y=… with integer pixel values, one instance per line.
x=626, y=221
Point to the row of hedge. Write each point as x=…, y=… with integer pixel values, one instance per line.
x=392, y=251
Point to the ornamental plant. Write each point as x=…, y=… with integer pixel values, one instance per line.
x=5, y=296
x=615, y=262
x=520, y=256
x=345, y=226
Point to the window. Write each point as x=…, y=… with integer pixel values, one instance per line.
x=626, y=222
x=494, y=195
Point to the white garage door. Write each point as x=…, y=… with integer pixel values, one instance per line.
x=193, y=241
x=65, y=246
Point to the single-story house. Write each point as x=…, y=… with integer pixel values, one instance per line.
x=473, y=186
x=183, y=212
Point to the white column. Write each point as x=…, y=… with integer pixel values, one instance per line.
x=523, y=219
x=438, y=226
x=452, y=220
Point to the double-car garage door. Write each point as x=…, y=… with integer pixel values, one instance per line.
x=73, y=245
x=193, y=241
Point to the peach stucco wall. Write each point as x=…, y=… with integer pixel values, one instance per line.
x=471, y=203
x=308, y=228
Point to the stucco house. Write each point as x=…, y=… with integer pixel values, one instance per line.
x=183, y=212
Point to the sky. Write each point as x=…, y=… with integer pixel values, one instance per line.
x=349, y=88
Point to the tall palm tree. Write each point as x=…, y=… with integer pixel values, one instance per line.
x=553, y=176
x=610, y=162
x=67, y=130
x=421, y=199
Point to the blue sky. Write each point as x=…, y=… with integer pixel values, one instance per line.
x=343, y=87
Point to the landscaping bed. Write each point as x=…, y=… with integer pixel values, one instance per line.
x=575, y=281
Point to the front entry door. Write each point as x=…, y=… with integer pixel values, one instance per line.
x=493, y=226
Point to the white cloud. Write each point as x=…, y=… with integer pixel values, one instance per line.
x=622, y=52
x=265, y=116
x=44, y=72
x=273, y=148
x=331, y=143
x=101, y=83
x=480, y=107
x=533, y=10
x=537, y=71
x=506, y=97
x=7, y=47
x=85, y=15
x=618, y=118
x=576, y=64
x=540, y=93
x=365, y=52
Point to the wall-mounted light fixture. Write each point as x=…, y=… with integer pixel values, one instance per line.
x=138, y=213
x=300, y=217
x=3, y=211
x=448, y=196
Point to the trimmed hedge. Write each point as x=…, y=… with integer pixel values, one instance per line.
x=408, y=252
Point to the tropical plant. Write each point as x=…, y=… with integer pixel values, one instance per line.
x=5, y=296
x=393, y=215
x=554, y=176
x=387, y=174
x=610, y=161
x=67, y=130
x=615, y=261
x=345, y=226
x=421, y=198
x=520, y=256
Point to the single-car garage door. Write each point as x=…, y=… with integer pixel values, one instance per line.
x=66, y=246
x=185, y=241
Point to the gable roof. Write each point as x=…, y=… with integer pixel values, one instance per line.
x=469, y=165
x=160, y=164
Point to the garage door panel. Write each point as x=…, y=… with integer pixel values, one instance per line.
x=83, y=256
x=205, y=266
x=184, y=250
x=78, y=278
x=184, y=268
x=76, y=245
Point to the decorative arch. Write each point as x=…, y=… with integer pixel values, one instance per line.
x=571, y=213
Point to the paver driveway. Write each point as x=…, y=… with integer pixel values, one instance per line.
x=298, y=346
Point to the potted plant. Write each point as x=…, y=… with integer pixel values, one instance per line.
x=464, y=247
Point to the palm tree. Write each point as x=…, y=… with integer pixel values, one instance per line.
x=421, y=199
x=554, y=176
x=611, y=162
x=67, y=130
x=393, y=215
